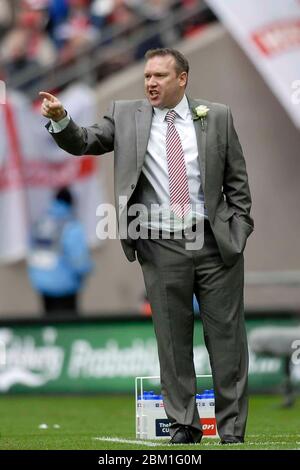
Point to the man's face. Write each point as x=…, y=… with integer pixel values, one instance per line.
x=163, y=87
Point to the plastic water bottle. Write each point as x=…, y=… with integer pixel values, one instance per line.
x=152, y=421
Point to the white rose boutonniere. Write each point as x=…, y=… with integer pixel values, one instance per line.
x=200, y=112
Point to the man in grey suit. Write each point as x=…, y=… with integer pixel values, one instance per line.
x=180, y=159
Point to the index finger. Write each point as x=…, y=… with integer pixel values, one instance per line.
x=48, y=96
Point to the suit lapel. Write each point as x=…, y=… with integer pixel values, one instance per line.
x=201, y=141
x=143, y=119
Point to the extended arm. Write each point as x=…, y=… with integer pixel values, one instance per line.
x=92, y=140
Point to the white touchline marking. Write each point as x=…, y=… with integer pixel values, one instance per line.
x=268, y=443
x=274, y=435
x=247, y=443
x=128, y=441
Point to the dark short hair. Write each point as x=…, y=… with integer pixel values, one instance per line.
x=64, y=194
x=181, y=63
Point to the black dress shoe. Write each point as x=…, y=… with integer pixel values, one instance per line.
x=231, y=440
x=182, y=436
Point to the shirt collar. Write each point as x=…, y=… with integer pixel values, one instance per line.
x=182, y=110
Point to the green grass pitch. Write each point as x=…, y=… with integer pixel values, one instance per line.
x=82, y=419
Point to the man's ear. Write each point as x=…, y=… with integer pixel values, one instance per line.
x=183, y=79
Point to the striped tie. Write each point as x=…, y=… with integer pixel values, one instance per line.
x=178, y=183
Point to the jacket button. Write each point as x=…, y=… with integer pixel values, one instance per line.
x=132, y=186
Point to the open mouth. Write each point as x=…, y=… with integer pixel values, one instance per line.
x=153, y=93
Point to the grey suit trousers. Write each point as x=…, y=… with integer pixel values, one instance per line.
x=172, y=274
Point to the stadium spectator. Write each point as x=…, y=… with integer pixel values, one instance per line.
x=6, y=16
x=77, y=32
x=27, y=45
x=59, y=259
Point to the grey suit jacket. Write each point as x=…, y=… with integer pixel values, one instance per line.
x=126, y=129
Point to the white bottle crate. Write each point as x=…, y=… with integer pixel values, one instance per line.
x=151, y=419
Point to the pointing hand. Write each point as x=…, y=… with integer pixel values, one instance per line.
x=51, y=107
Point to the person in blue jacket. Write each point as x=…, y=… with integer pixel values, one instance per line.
x=59, y=258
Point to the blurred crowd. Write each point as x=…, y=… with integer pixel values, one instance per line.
x=41, y=33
